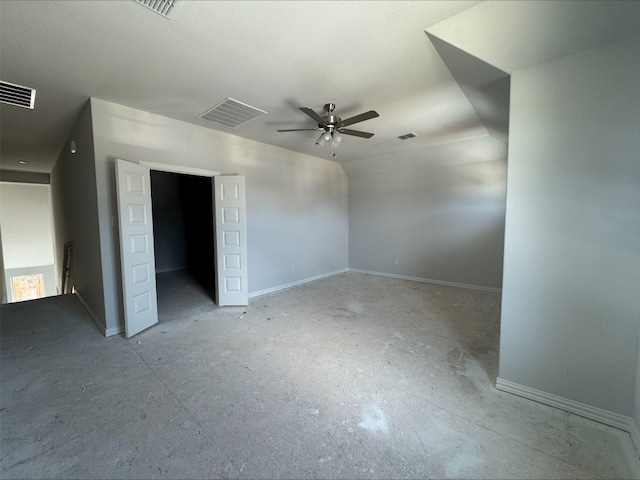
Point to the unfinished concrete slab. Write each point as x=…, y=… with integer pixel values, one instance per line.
x=352, y=376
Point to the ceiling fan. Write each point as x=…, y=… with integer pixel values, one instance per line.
x=334, y=126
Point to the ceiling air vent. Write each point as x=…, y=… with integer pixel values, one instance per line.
x=407, y=136
x=166, y=8
x=17, y=95
x=231, y=113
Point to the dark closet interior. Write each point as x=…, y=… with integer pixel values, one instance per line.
x=183, y=227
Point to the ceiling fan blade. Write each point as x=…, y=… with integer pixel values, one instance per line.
x=359, y=118
x=318, y=119
x=298, y=130
x=355, y=133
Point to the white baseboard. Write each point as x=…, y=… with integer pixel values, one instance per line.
x=635, y=435
x=430, y=280
x=592, y=413
x=107, y=332
x=90, y=311
x=113, y=331
x=380, y=274
x=295, y=284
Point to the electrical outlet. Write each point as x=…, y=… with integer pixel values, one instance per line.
x=396, y=262
x=293, y=267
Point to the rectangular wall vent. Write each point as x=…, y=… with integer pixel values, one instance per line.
x=17, y=95
x=231, y=113
x=407, y=136
x=166, y=8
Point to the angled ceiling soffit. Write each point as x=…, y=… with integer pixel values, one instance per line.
x=485, y=86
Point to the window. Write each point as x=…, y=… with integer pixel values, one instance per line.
x=27, y=287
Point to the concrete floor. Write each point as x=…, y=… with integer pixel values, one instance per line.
x=352, y=376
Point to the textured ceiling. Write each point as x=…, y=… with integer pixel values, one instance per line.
x=278, y=56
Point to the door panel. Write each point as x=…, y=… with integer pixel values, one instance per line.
x=137, y=257
x=231, y=240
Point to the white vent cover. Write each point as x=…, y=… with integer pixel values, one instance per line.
x=231, y=113
x=166, y=8
x=17, y=95
x=407, y=136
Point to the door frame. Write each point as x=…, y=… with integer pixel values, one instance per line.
x=163, y=167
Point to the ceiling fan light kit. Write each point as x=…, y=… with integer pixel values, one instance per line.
x=333, y=126
x=331, y=139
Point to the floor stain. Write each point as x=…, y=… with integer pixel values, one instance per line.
x=457, y=361
x=374, y=419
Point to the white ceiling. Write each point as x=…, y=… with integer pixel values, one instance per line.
x=278, y=56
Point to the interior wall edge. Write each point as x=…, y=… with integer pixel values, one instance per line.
x=431, y=281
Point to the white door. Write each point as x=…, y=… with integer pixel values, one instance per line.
x=137, y=256
x=231, y=240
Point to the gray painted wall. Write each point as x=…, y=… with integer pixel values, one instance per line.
x=25, y=213
x=296, y=204
x=441, y=218
x=75, y=214
x=570, y=305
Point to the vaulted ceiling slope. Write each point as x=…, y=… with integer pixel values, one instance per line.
x=279, y=56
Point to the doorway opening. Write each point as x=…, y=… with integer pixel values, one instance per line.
x=183, y=232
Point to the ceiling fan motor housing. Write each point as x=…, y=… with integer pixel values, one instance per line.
x=330, y=122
